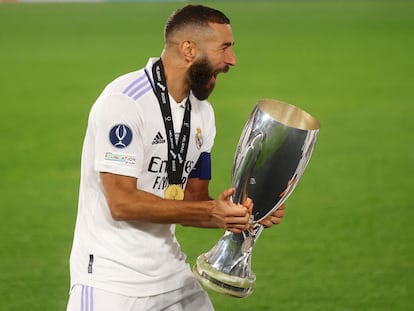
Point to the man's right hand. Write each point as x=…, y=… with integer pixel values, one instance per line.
x=229, y=216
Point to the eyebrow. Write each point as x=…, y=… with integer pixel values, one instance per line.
x=228, y=44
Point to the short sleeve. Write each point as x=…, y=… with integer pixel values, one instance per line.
x=118, y=140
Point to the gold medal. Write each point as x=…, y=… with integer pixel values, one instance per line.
x=174, y=192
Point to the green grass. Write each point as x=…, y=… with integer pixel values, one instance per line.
x=347, y=241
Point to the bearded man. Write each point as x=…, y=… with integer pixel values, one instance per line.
x=146, y=167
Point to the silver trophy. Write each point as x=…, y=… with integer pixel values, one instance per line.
x=273, y=151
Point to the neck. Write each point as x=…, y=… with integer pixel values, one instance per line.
x=176, y=76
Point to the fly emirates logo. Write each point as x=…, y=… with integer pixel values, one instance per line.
x=158, y=166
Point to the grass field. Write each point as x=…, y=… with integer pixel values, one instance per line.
x=347, y=241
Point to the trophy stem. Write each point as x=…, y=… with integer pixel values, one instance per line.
x=226, y=268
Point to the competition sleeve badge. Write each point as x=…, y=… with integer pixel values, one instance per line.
x=120, y=136
x=199, y=138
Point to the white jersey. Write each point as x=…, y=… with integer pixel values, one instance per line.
x=126, y=136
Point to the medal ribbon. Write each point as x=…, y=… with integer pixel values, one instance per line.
x=177, y=151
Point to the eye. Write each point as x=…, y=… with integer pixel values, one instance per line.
x=225, y=47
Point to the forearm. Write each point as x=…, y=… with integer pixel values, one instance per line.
x=194, y=196
x=139, y=205
x=127, y=203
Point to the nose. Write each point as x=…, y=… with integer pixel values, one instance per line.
x=230, y=57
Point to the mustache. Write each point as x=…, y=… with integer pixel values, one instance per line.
x=225, y=69
x=200, y=76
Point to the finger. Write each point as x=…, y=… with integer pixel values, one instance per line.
x=248, y=203
x=282, y=207
x=275, y=220
x=270, y=220
x=238, y=220
x=266, y=223
x=226, y=194
x=237, y=228
x=279, y=213
x=241, y=222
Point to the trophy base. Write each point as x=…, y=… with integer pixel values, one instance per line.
x=221, y=282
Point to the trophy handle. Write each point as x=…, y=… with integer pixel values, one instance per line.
x=243, y=167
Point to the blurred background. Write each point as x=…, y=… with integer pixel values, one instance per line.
x=346, y=242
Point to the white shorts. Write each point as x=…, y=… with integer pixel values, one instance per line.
x=189, y=298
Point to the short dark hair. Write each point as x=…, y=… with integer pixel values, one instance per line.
x=193, y=15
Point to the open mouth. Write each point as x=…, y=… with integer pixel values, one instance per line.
x=217, y=72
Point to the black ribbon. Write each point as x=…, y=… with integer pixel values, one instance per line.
x=177, y=150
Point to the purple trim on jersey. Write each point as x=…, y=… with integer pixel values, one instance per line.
x=83, y=299
x=142, y=92
x=136, y=91
x=202, y=169
x=87, y=298
x=137, y=88
x=133, y=84
x=91, y=299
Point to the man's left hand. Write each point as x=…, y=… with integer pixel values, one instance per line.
x=274, y=218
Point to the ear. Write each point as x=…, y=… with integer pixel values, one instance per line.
x=188, y=50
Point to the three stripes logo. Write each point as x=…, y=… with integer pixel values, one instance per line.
x=158, y=139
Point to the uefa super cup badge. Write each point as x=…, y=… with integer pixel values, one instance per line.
x=199, y=138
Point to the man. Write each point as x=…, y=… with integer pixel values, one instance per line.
x=146, y=167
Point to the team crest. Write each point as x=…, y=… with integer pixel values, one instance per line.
x=199, y=138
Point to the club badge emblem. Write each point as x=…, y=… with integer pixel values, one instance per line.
x=199, y=138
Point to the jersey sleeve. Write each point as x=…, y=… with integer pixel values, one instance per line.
x=202, y=168
x=209, y=128
x=118, y=139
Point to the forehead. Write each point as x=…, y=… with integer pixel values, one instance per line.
x=221, y=33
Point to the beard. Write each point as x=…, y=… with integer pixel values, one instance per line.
x=200, y=76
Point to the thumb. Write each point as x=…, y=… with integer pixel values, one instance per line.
x=226, y=194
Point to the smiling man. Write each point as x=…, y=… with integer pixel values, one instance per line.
x=146, y=167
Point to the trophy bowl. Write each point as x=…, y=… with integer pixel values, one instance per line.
x=273, y=151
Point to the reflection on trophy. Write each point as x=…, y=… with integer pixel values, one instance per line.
x=273, y=151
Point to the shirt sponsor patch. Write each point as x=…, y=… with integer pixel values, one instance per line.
x=121, y=158
x=120, y=136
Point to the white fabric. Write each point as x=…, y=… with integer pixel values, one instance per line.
x=131, y=258
x=189, y=298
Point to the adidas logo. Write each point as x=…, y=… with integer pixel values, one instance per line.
x=158, y=139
